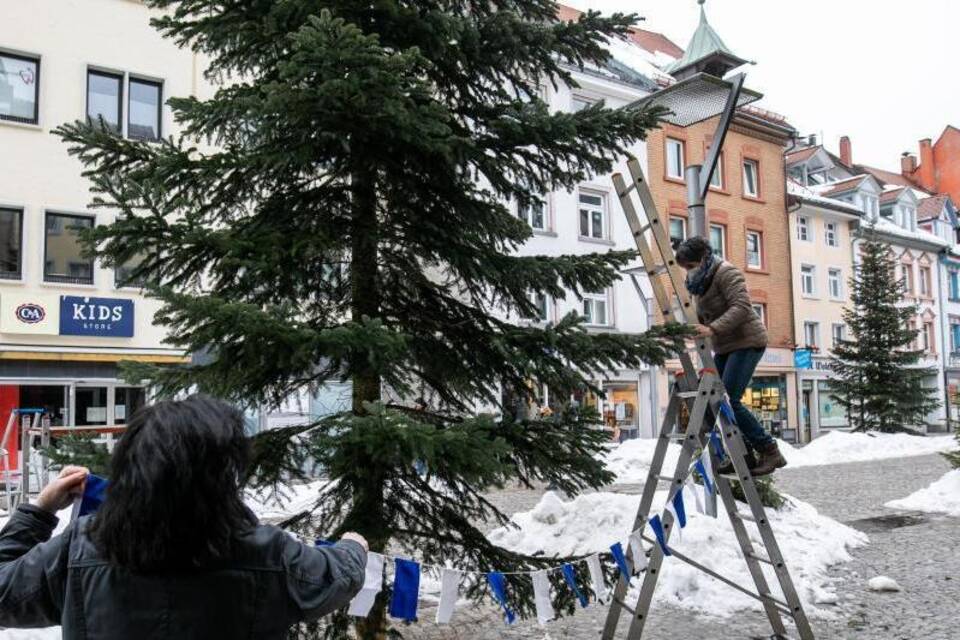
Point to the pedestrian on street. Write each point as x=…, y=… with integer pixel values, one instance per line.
x=739, y=340
x=173, y=551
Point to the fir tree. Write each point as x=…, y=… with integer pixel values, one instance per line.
x=878, y=380
x=339, y=210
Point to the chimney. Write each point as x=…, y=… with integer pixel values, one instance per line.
x=812, y=140
x=928, y=170
x=846, y=151
x=908, y=164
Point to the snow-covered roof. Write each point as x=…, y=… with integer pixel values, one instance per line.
x=811, y=197
x=882, y=225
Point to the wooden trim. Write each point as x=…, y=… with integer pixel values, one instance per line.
x=92, y=357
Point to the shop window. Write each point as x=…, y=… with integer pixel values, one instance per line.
x=621, y=410
x=19, y=88
x=64, y=259
x=91, y=405
x=751, y=178
x=592, y=216
x=144, y=109
x=105, y=99
x=53, y=399
x=675, y=158
x=127, y=400
x=767, y=398
x=718, y=240
x=754, y=249
x=831, y=413
x=11, y=241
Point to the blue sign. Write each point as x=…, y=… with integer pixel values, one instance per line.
x=803, y=359
x=104, y=317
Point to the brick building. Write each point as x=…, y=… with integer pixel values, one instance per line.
x=746, y=212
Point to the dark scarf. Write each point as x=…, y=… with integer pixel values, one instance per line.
x=700, y=279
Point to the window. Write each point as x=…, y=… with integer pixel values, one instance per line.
x=761, y=311
x=534, y=215
x=63, y=254
x=837, y=332
x=595, y=308
x=751, y=178
x=11, y=239
x=835, y=283
x=592, y=214
x=543, y=307
x=811, y=334
x=716, y=180
x=124, y=274
x=19, y=88
x=678, y=230
x=925, y=284
x=718, y=240
x=579, y=103
x=128, y=401
x=105, y=99
x=928, y=341
x=675, y=160
x=143, y=109
x=808, y=280
x=954, y=334
x=908, y=279
x=912, y=328
x=803, y=229
x=754, y=249
x=954, y=276
x=830, y=234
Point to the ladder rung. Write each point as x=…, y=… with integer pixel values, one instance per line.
x=677, y=436
x=783, y=604
x=665, y=478
x=762, y=559
x=623, y=605
x=687, y=394
x=745, y=516
x=658, y=269
x=642, y=230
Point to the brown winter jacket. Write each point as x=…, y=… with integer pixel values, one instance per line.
x=725, y=307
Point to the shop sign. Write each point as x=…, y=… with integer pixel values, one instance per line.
x=105, y=317
x=803, y=359
x=29, y=313
x=822, y=364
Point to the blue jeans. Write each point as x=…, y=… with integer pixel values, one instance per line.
x=736, y=370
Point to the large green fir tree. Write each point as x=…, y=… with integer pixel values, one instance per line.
x=878, y=380
x=341, y=208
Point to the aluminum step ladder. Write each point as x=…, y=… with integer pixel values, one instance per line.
x=700, y=390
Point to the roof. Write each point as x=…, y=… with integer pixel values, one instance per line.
x=931, y=207
x=835, y=188
x=883, y=225
x=891, y=195
x=887, y=177
x=655, y=42
x=801, y=155
x=705, y=42
x=802, y=194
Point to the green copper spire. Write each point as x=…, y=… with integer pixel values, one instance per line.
x=706, y=52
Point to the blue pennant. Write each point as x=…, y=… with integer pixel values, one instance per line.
x=498, y=584
x=727, y=411
x=617, y=550
x=717, y=444
x=657, y=527
x=406, y=590
x=678, y=508
x=571, y=578
x=94, y=493
x=702, y=470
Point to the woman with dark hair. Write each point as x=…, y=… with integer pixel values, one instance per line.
x=173, y=552
x=739, y=340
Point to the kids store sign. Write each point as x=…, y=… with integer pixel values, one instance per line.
x=46, y=314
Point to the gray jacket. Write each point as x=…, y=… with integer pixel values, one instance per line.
x=725, y=307
x=273, y=582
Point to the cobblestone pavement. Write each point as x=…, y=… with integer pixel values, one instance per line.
x=921, y=552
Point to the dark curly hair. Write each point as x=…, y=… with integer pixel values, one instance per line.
x=174, y=499
x=693, y=250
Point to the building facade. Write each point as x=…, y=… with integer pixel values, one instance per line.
x=65, y=320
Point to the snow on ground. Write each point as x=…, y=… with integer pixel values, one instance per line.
x=271, y=507
x=590, y=523
x=631, y=460
x=943, y=496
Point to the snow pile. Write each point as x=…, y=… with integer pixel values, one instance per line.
x=943, y=496
x=838, y=447
x=631, y=460
x=590, y=523
x=270, y=506
x=883, y=584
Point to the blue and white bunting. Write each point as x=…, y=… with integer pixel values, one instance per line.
x=637, y=552
x=616, y=549
x=498, y=585
x=449, y=592
x=657, y=525
x=598, y=584
x=541, y=597
x=406, y=590
x=705, y=468
x=695, y=492
x=372, y=584
x=676, y=509
x=571, y=577
x=717, y=444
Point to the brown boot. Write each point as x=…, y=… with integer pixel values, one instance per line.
x=770, y=459
x=727, y=467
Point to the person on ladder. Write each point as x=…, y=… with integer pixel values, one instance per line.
x=739, y=340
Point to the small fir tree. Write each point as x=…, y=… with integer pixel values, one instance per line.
x=354, y=222
x=81, y=449
x=878, y=379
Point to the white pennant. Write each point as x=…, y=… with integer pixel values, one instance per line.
x=541, y=597
x=695, y=490
x=372, y=584
x=637, y=552
x=709, y=497
x=675, y=527
x=449, y=592
x=596, y=577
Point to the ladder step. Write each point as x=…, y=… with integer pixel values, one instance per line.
x=783, y=604
x=623, y=605
x=687, y=394
x=657, y=270
x=677, y=436
x=665, y=478
x=745, y=516
x=762, y=559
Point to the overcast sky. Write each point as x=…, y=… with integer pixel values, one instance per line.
x=884, y=73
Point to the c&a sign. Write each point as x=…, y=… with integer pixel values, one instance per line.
x=112, y=317
x=29, y=313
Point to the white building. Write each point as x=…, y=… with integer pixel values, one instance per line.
x=66, y=321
